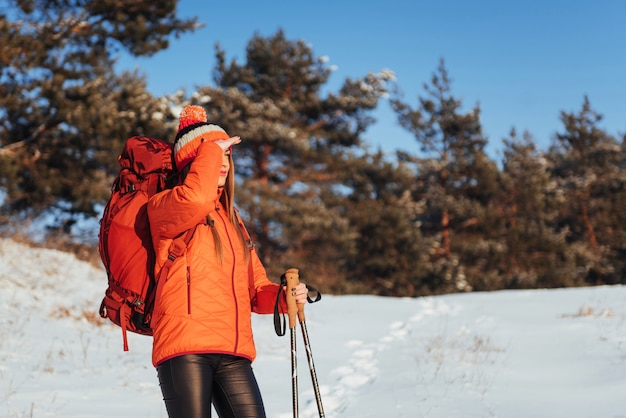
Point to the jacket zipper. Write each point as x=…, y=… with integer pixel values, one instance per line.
x=188, y=291
x=232, y=280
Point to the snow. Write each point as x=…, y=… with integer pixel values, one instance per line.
x=525, y=353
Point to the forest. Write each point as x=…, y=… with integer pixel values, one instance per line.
x=354, y=220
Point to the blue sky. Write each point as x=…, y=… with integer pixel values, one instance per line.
x=522, y=62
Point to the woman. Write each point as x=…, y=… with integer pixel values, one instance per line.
x=203, y=345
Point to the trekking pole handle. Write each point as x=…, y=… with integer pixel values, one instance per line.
x=294, y=309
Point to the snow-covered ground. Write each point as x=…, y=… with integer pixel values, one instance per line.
x=540, y=353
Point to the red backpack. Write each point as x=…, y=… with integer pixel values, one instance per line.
x=124, y=240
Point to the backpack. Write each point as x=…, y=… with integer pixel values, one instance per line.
x=124, y=239
x=125, y=242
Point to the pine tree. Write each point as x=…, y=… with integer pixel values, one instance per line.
x=64, y=113
x=294, y=137
x=535, y=250
x=454, y=179
x=587, y=167
x=389, y=256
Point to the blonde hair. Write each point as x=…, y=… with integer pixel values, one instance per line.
x=227, y=199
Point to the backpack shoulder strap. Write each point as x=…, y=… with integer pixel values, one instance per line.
x=246, y=235
x=177, y=248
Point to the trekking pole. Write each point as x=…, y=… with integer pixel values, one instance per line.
x=292, y=310
x=293, y=280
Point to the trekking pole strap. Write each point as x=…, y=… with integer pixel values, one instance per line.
x=279, y=314
x=311, y=290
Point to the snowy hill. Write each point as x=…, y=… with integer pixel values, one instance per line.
x=542, y=353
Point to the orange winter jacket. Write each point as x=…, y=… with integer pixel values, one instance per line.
x=203, y=306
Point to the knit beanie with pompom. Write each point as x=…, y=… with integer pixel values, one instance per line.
x=193, y=128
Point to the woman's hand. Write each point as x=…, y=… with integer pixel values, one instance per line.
x=300, y=292
x=227, y=143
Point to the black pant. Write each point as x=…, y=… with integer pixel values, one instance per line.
x=190, y=383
